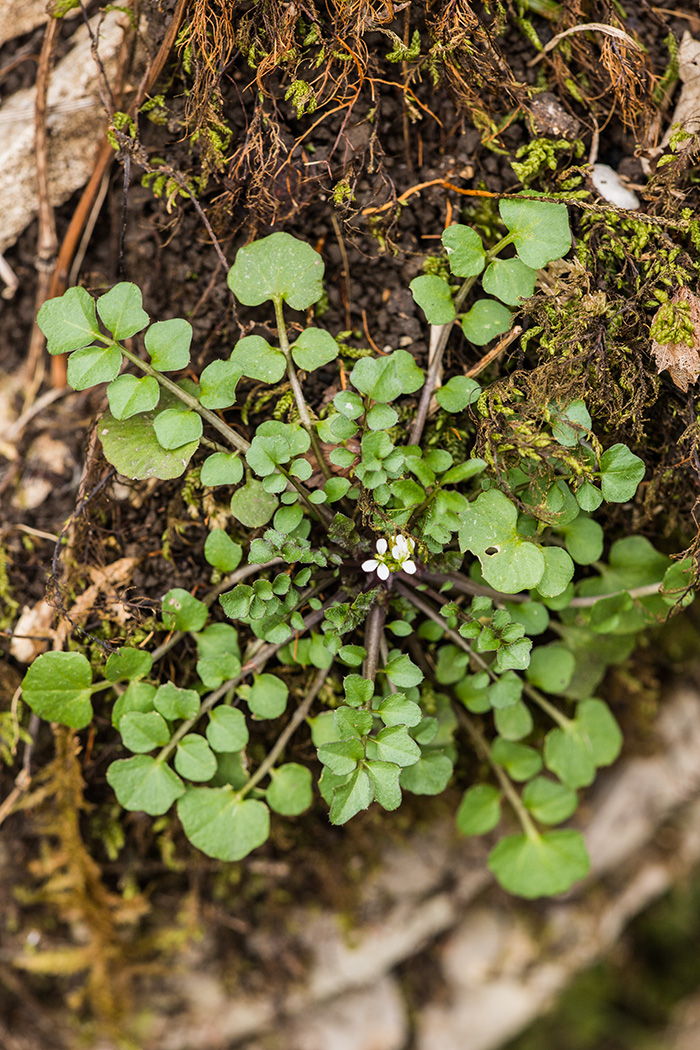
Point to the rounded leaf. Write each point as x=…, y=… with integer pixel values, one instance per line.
x=128, y=395
x=221, y=468
x=168, y=343
x=465, y=251
x=69, y=321
x=144, y=784
x=314, y=348
x=480, y=810
x=254, y=357
x=433, y=295
x=290, y=792
x=220, y=824
x=509, y=280
x=485, y=321
x=227, y=729
x=540, y=230
x=121, y=310
x=540, y=866
x=252, y=505
x=93, y=364
x=194, y=759
x=277, y=267
x=57, y=688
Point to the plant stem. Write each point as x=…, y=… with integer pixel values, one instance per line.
x=435, y=366
x=374, y=632
x=230, y=435
x=210, y=597
x=295, y=721
x=261, y=657
x=463, y=644
x=509, y=791
x=302, y=408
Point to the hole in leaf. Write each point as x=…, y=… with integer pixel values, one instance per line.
x=492, y=550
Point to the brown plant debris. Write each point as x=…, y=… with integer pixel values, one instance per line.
x=680, y=355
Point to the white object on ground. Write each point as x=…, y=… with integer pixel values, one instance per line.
x=608, y=184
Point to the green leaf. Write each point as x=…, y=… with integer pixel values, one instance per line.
x=386, y=378
x=127, y=395
x=174, y=703
x=218, y=385
x=558, y=570
x=227, y=729
x=598, y=723
x=351, y=722
x=621, y=472
x=382, y=417
x=463, y=471
x=430, y=775
x=551, y=667
x=252, y=506
x=268, y=696
x=508, y=562
x=341, y=756
x=277, y=267
x=572, y=425
x=132, y=447
x=314, y=348
x=221, y=551
x=509, y=280
x=174, y=428
x=290, y=792
x=548, y=801
x=533, y=616
x=255, y=358
x=607, y=613
x=396, y=710
x=143, y=731
x=584, y=540
x=456, y=394
x=403, y=672
x=385, y=783
x=433, y=295
x=351, y=797
x=121, y=310
x=521, y=761
x=69, y=321
x=465, y=252
x=194, y=759
x=182, y=612
x=221, y=468
x=57, y=688
x=222, y=825
x=480, y=810
x=506, y=692
x=168, y=343
x=540, y=867
x=588, y=497
x=138, y=696
x=593, y=739
x=540, y=230
x=485, y=321
x=94, y=364
x=513, y=723
x=145, y=784
x=358, y=690
x=128, y=663
x=395, y=745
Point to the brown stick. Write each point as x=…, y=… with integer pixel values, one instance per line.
x=47, y=242
x=105, y=157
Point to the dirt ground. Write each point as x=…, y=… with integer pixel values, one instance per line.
x=105, y=550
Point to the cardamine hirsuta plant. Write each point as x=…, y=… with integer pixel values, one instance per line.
x=397, y=599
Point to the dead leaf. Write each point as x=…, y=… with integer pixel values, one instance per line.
x=681, y=359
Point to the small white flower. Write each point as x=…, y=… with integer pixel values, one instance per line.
x=394, y=559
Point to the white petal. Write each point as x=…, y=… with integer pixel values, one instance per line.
x=397, y=552
x=409, y=566
x=370, y=565
x=382, y=546
x=383, y=572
